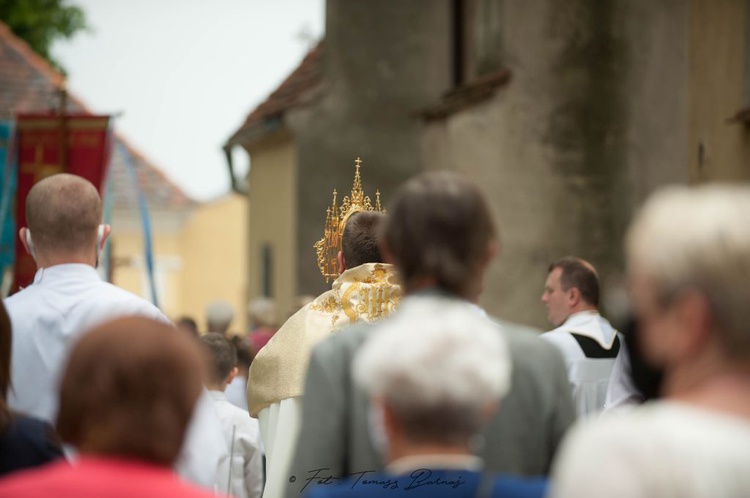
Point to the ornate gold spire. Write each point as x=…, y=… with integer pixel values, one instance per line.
x=328, y=247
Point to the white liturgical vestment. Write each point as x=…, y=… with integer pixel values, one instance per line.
x=588, y=371
x=48, y=316
x=244, y=477
x=365, y=293
x=621, y=390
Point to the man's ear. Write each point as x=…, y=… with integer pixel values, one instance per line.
x=232, y=375
x=342, y=262
x=574, y=296
x=105, y=231
x=25, y=235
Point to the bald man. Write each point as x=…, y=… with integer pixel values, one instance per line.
x=587, y=341
x=65, y=237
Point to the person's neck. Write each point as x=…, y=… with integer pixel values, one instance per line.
x=216, y=387
x=713, y=382
x=428, y=284
x=48, y=261
x=581, y=308
x=409, y=449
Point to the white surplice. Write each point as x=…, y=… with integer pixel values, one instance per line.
x=365, y=293
x=243, y=478
x=621, y=390
x=588, y=377
x=279, y=424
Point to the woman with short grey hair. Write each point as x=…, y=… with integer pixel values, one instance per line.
x=435, y=375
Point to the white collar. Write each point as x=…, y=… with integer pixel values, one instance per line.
x=66, y=271
x=217, y=395
x=581, y=316
x=590, y=324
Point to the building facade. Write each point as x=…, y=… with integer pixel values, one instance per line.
x=568, y=114
x=199, y=249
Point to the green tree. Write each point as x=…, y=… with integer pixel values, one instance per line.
x=41, y=22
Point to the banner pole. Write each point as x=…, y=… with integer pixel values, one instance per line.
x=145, y=220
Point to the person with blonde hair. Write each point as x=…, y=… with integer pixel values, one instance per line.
x=688, y=264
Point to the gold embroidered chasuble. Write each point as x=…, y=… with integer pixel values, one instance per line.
x=365, y=293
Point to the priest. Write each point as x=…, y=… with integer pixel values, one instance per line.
x=364, y=290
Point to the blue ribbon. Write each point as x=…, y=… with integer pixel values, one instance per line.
x=145, y=219
x=9, y=185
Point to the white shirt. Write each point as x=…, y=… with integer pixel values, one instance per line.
x=48, y=316
x=660, y=450
x=588, y=377
x=244, y=479
x=204, y=454
x=236, y=392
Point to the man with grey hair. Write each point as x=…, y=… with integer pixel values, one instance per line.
x=434, y=374
x=441, y=237
x=67, y=298
x=688, y=258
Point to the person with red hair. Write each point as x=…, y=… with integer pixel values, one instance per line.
x=126, y=398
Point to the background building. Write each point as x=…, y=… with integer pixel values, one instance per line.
x=199, y=248
x=568, y=114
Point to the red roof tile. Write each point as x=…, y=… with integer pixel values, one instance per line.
x=297, y=89
x=28, y=83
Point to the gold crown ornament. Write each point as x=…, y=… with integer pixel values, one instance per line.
x=329, y=246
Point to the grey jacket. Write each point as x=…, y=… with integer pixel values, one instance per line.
x=522, y=438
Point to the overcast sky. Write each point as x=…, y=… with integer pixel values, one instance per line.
x=185, y=73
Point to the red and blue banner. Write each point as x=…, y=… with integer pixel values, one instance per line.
x=47, y=144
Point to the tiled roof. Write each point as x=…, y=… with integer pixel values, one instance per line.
x=28, y=83
x=297, y=89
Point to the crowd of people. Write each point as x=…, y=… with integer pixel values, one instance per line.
x=395, y=381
